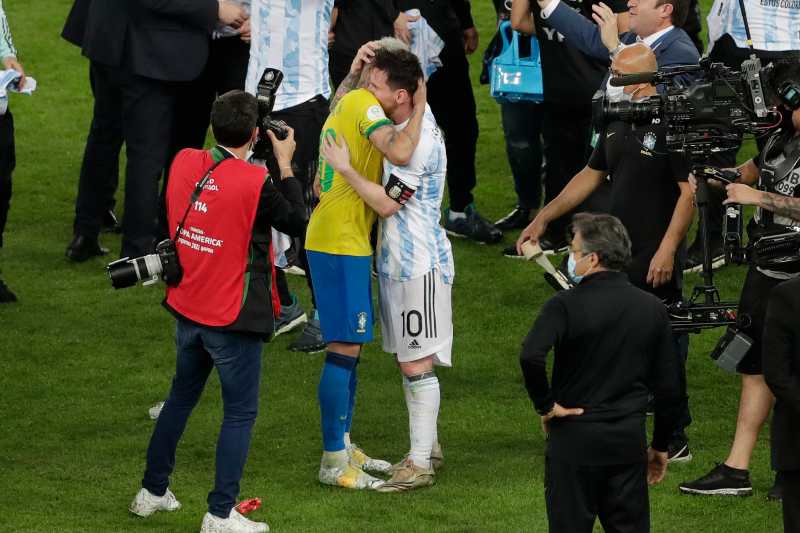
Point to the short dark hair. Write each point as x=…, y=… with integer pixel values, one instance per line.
x=680, y=10
x=402, y=68
x=233, y=118
x=605, y=236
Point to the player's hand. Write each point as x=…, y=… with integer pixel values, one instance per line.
x=533, y=232
x=558, y=412
x=284, y=150
x=656, y=466
x=231, y=14
x=661, y=266
x=470, y=40
x=420, y=95
x=244, y=31
x=10, y=62
x=739, y=193
x=336, y=153
x=401, y=30
x=607, y=24
x=363, y=57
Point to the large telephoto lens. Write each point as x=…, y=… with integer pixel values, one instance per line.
x=127, y=272
x=633, y=112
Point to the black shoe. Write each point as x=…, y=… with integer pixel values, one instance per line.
x=472, y=226
x=110, y=224
x=519, y=218
x=6, y=296
x=678, y=451
x=721, y=481
x=511, y=251
x=82, y=248
x=551, y=245
x=694, y=256
x=775, y=493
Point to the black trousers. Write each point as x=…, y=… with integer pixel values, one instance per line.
x=8, y=160
x=577, y=495
x=453, y=103
x=567, y=133
x=145, y=107
x=307, y=120
x=791, y=501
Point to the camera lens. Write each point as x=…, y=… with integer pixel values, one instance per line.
x=122, y=273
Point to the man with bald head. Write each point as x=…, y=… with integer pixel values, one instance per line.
x=650, y=194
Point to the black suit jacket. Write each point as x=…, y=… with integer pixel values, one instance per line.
x=75, y=25
x=781, y=360
x=160, y=39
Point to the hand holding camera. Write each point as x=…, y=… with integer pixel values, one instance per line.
x=283, y=150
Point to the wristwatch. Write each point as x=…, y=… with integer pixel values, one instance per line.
x=615, y=51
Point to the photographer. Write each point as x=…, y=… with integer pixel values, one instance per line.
x=776, y=170
x=612, y=346
x=649, y=194
x=224, y=305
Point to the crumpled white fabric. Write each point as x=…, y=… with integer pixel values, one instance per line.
x=425, y=43
x=9, y=81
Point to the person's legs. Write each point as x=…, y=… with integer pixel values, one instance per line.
x=755, y=405
x=99, y=173
x=237, y=358
x=791, y=501
x=570, y=493
x=7, y=163
x=625, y=504
x=192, y=367
x=522, y=126
x=147, y=123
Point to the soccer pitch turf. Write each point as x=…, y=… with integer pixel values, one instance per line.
x=82, y=364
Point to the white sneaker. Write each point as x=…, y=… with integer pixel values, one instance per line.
x=155, y=411
x=146, y=503
x=235, y=523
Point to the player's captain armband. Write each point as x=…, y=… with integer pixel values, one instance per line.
x=397, y=190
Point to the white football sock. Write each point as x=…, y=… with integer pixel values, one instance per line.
x=422, y=399
x=347, y=440
x=335, y=459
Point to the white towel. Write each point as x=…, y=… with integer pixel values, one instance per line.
x=425, y=43
x=9, y=81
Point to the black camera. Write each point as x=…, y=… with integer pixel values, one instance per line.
x=148, y=269
x=265, y=94
x=706, y=117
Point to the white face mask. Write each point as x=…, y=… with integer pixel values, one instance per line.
x=615, y=94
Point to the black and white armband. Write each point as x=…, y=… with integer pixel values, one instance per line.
x=397, y=190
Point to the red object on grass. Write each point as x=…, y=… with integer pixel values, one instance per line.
x=248, y=506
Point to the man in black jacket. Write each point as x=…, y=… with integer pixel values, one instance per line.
x=613, y=346
x=782, y=373
x=137, y=48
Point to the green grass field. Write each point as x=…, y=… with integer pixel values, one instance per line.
x=82, y=363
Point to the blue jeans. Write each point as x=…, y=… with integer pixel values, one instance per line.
x=522, y=126
x=237, y=358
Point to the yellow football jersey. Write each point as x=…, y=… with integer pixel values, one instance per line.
x=341, y=222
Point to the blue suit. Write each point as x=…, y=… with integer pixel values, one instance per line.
x=673, y=48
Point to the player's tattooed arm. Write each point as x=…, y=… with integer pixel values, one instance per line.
x=349, y=83
x=357, y=72
x=786, y=206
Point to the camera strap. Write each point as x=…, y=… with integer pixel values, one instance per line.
x=195, y=195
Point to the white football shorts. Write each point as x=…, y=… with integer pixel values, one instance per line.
x=417, y=318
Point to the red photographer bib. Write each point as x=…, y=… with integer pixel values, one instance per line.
x=214, y=245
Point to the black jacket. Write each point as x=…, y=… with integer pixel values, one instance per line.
x=361, y=21
x=781, y=363
x=613, y=345
x=161, y=39
x=75, y=25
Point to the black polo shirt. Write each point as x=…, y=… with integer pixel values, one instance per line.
x=644, y=192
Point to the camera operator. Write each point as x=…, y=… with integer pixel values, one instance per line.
x=224, y=305
x=612, y=345
x=649, y=194
x=772, y=40
x=781, y=369
x=776, y=170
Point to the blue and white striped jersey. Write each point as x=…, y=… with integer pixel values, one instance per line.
x=6, y=43
x=291, y=35
x=774, y=24
x=411, y=243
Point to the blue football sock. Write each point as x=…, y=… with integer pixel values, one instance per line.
x=352, y=399
x=334, y=397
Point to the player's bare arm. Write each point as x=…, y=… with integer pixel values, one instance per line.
x=398, y=145
x=376, y=196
